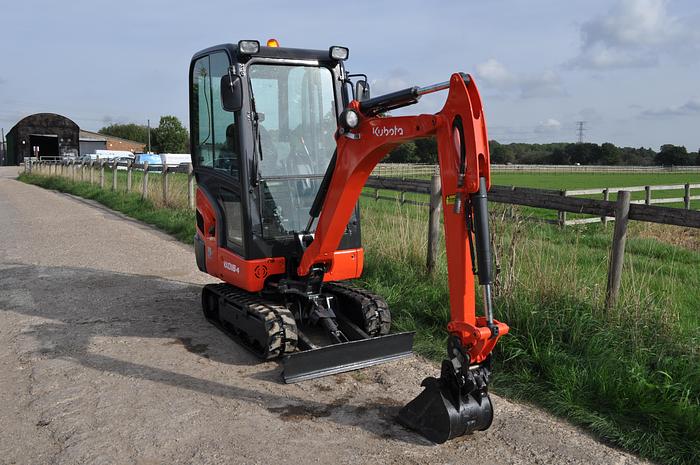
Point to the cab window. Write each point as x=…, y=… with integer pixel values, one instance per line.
x=215, y=130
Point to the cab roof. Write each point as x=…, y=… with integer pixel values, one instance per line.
x=270, y=52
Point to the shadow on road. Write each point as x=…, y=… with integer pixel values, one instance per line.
x=83, y=304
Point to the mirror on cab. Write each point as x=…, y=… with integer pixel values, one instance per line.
x=362, y=90
x=231, y=93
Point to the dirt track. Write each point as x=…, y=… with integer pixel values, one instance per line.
x=105, y=358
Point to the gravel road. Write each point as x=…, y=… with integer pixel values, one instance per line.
x=106, y=358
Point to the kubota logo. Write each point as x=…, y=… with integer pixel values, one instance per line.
x=385, y=131
x=231, y=267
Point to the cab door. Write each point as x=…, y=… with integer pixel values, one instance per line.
x=216, y=152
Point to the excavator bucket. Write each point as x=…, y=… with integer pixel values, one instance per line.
x=439, y=413
x=348, y=356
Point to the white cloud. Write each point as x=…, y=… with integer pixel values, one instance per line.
x=548, y=126
x=691, y=107
x=633, y=33
x=395, y=80
x=494, y=74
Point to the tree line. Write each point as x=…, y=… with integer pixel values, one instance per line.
x=425, y=151
x=170, y=136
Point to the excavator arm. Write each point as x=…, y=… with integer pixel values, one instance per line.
x=458, y=401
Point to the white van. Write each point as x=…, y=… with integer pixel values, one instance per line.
x=112, y=154
x=173, y=160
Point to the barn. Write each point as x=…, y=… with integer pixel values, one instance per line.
x=51, y=136
x=46, y=135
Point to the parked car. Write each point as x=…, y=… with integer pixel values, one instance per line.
x=87, y=158
x=122, y=162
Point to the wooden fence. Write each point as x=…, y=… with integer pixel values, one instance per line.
x=94, y=172
x=623, y=210
x=565, y=201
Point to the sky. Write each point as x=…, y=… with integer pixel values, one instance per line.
x=630, y=69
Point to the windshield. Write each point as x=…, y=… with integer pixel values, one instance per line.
x=297, y=121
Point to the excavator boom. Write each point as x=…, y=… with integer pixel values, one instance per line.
x=459, y=398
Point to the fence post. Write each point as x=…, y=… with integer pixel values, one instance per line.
x=82, y=171
x=434, y=222
x=144, y=188
x=686, y=197
x=114, y=175
x=129, y=174
x=403, y=197
x=376, y=194
x=562, y=215
x=606, y=197
x=165, y=184
x=92, y=171
x=190, y=186
x=72, y=164
x=617, y=253
x=511, y=208
x=102, y=174
x=647, y=195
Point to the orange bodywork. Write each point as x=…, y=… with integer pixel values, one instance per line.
x=458, y=126
x=252, y=274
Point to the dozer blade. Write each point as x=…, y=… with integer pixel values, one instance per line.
x=347, y=356
x=439, y=413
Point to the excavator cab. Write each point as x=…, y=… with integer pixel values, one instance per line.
x=263, y=125
x=262, y=137
x=282, y=144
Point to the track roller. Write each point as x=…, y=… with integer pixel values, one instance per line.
x=264, y=327
x=365, y=309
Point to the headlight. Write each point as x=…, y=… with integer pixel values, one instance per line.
x=248, y=47
x=349, y=119
x=339, y=53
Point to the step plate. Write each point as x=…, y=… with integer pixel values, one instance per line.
x=348, y=356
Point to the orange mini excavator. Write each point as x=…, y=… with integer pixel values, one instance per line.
x=283, y=141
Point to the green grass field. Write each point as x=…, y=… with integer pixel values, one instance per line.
x=631, y=375
x=591, y=180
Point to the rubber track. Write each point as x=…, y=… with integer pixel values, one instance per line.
x=279, y=321
x=375, y=311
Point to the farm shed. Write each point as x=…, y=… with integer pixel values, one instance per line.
x=91, y=141
x=54, y=135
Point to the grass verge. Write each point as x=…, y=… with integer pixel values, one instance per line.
x=631, y=376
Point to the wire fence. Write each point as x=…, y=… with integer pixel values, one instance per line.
x=417, y=170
